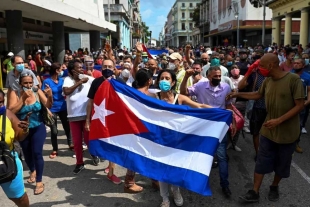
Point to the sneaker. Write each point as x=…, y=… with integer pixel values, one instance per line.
x=78, y=169
x=273, y=194
x=96, y=160
x=237, y=149
x=246, y=129
x=74, y=156
x=48, y=129
x=226, y=191
x=165, y=204
x=114, y=179
x=250, y=197
x=177, y=197
x=303, y=130
x=85, y=147
x=298, y=149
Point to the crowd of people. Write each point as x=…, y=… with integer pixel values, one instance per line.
x=269, y=86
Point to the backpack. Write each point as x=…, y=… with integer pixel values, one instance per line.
x=8, y=168
x=239, y=119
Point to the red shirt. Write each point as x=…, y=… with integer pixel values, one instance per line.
x=95, y=73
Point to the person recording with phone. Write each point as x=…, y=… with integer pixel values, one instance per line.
x=22, y=103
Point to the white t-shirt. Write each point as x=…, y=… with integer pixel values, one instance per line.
x=77, y=101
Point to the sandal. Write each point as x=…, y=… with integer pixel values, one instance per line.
x=133, y=189
x=32, y=177
x=106, y=170
x=39, y=189
x=53, y=155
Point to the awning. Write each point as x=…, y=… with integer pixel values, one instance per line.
x=235, y=28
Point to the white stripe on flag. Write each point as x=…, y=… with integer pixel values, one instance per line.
x=195, y=161
x=178, y=122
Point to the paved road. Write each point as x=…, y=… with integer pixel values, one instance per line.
x=91, y=187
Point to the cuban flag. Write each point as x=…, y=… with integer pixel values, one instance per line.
x=165, y=142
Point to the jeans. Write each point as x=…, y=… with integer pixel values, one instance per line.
x=302, y=115
x=32, y=147
x=164, y=190
x=305, y=118
x=222, y=162
x=65, y=124
x=78, y=133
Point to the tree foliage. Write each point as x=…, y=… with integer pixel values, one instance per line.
x=196, y=15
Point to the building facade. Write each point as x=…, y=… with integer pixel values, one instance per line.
x=126, y=15
x=285, y=29
x=26, y=25
x=226, y=17
x=180, y=22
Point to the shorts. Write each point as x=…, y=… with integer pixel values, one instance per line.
x=257, y=120
x=15, y=188
x=274, y=157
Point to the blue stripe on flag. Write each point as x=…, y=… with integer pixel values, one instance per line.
x=188, y=179
x=212, y=114
x=178, y=140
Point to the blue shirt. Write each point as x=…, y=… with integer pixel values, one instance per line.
x=59, y=103
x=305, y=78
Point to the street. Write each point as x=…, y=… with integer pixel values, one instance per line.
x=92, y=188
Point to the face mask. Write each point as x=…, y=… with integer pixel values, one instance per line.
x=144, y=60
x=171, y=66
x=298, y=70
x=125, y=73
x=20, y=67
x=307, y=61
x=164, y=85
x=229, y=63
x=60, y=74
x=235, y=72
x=2, y=110
x=256, y=57
x=159, y=65
x=26, y=89
x=107, y=73
x=215, y=82
x=196, y=73
x=243, y=57
x=204, y=62
x=215, y=62
x=264, y=71
x=134, y=56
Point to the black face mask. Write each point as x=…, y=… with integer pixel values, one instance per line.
x=298, y=70
x=256, y=57
x=196, y=73
x=215, y=82
x=204, y=62
x=107, y=73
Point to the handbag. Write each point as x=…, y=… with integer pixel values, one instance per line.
x=8, y=168
x=239, y=119
x=47, y=115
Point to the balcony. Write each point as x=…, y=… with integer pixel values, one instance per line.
x=183, y=8
x=191, y=8
x=190, y=19
x=136, y=35
x=116, y=9
x=183, y=19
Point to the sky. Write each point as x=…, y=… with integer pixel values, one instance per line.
x=154, y=14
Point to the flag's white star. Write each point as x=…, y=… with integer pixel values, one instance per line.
x=101, y=112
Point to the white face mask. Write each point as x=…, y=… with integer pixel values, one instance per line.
x=171, y=66
x=81, y=76
x=125, y=73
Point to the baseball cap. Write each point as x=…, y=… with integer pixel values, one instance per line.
x=209, y=52
x=175, y=56
x=144, y=54
x=10, y=54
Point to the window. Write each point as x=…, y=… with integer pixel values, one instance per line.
x=116, y=1
x=38, y=22
x=190, y=38
x=183, y=15
x=190, y=4
x=1, y=15
x=47, y=24
x=183, y=4
x=191, y=15
x=190, y=26
x=183, y=26
x=28, y=20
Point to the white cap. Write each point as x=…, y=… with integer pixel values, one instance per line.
x=10, y=54
x=48, y=62
x=209, y=52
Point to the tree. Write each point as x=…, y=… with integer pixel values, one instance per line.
x=145, y=32
x=196, y=15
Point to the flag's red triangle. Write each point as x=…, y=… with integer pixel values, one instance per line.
x=147, y=51
x=121, y=120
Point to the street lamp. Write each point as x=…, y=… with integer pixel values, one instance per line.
x=238, y=27
x=186, y=34
x=151, y=38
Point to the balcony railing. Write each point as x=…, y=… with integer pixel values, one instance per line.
x=183, y=7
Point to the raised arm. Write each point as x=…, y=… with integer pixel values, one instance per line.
x=137, y=59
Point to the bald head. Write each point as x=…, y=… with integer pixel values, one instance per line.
x=204, y=56
x=152, y=64
x=269, y=58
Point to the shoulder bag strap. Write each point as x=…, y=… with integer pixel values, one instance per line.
x=175, y=98
x=3, y=126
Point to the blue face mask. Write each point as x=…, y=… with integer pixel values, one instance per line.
x=215, y=62
x=60, y=74
x=164, y=85
x=2, y=110
x=20, y=67
x=144, y=60
x=107, y=73
x=26, y=89
x=307, y=61
x=229, y=63
x=134, y=56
